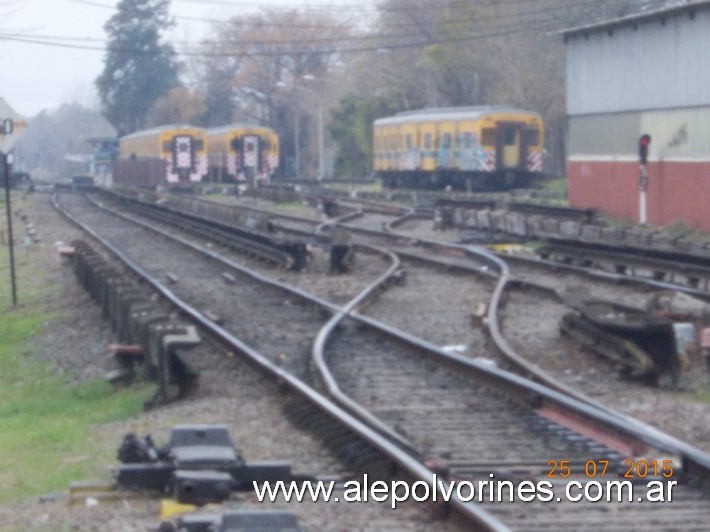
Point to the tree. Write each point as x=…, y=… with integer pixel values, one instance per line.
x=179, y=106
x=351, y=129
x=138, y=69
x=272, y=68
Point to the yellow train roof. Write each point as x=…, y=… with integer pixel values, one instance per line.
x=161, y=129
x=236, y=126
x=449, y=114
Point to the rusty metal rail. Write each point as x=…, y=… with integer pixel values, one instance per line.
x=472, y=513
x=600, y=419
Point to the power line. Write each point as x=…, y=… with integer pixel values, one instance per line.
x=339, y=7
x=289, y=48
x=478, y=23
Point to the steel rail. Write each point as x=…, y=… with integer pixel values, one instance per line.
x=693, y=458
x=413, y=466
x=557, y=389
x=318, y=353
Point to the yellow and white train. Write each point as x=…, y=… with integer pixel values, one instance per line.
x=465, y=148
x=242, y=153
x=182, y=155
x=165, y=155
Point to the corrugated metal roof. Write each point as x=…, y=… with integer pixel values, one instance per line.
x=637, y=18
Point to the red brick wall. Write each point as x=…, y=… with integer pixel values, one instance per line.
x=676, y=191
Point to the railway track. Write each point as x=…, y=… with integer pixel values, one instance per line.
x=345, y=430
x=527, y=402
x=543, y=278
x=481, y=433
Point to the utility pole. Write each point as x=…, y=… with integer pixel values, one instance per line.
x=5, y=163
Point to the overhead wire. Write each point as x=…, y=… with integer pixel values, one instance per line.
x=410, y=8
x=288, y=48
x=381, y=39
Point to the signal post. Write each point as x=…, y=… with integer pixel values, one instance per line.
x=644, y=141
x=11, y=127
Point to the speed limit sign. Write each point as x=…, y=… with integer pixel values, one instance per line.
x=12, y=125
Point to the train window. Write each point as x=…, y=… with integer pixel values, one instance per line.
x=427, y=141
x=532, y=136
x=446, y=140
x=410, y=144
x=467, y=140
x=167, y=146
x=199, y=144
x=510, y=136
x=488, y=136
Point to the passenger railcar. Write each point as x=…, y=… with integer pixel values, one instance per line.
x=466, y=148
x=242, y=153
x=166, y=155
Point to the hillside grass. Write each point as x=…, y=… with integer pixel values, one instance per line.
x=46, y=423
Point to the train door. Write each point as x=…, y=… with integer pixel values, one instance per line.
x=511, y=146
x=428, y=146
x=446, y=145
x=251, y=150
x=183, y=153
x=247, y=150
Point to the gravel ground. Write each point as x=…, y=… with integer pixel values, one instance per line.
x=233, y=394
x=74, y=343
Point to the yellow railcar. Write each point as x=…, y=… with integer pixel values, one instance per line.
x=466, y=148
x=242, y=153
x=162, y=155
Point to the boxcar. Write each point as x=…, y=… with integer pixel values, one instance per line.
x=466, y=148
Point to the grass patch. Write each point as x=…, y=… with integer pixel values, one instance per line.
x=556, y=186
x=46, y=424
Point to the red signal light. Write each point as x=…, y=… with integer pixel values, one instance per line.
x=644, y=141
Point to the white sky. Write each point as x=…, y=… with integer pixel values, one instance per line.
x=35, y=77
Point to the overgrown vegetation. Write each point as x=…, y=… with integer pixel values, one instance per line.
x=557, y=187
x=46, y=423
x=288, y=68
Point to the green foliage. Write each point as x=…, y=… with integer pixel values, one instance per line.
x=44, y=421
x=138, y=69
x=556, y=186
x=46, y=424
x=679, y=229
x=351, y=129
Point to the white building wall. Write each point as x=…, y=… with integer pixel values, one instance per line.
x=679, y=135
x=654, y=65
